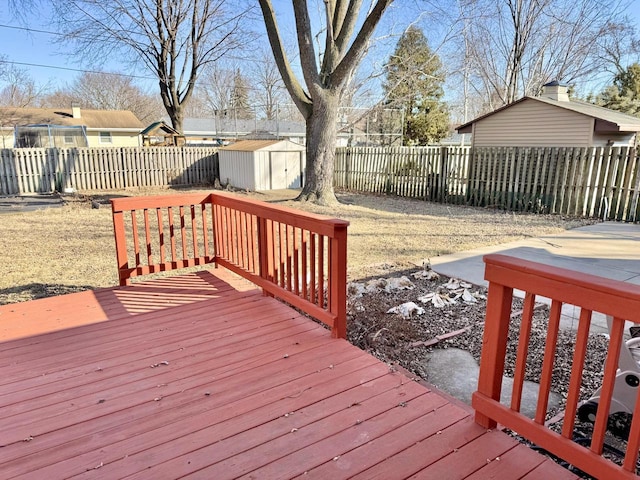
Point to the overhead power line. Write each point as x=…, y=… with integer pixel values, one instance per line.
x=77, y=69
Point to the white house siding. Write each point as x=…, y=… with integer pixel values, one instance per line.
x=118, y=139
x=531, y=123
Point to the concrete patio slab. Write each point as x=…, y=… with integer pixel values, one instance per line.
x=609, y=249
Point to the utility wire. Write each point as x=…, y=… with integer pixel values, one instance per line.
x=76, y=69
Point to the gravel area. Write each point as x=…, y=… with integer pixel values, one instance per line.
x=393, y=338
x=409, y=340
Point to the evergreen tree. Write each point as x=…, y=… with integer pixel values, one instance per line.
x=414, y=82
x=240, y=96
x=624, y=94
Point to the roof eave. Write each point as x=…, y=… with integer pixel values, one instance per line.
x=110, y=129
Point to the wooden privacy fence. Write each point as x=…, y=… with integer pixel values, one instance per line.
x=46, y=170
x=599, y=182
x=618, y=300
x=437, y=174
x=298, y=257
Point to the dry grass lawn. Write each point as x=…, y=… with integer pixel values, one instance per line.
x=59, y=250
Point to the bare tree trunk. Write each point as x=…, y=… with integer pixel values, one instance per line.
x=176, y=115
x=321, y=138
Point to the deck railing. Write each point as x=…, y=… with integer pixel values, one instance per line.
x=298, y=257
x=619, y=300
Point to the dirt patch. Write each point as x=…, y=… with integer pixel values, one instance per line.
x=29, y=203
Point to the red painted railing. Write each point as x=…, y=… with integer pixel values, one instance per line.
x=619, y=300
x=298, y=257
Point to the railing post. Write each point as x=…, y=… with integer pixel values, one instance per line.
x=121, y=246
x=338, y=293
x=494, y=347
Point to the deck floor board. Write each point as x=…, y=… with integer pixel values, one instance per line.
x=201, y=376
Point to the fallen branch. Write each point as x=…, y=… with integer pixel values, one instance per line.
x=439, y=338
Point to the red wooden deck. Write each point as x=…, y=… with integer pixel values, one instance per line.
x=201, y=376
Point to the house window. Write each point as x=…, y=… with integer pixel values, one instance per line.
x=68, y=139
x=105, y=137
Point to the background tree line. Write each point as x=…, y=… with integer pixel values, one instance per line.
x=437, y=61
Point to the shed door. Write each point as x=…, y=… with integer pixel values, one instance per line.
x=285, y=170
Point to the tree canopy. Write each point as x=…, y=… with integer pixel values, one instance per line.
x=513, y=47
x=174, y=40
x=107, y=91
x=414, y=83
x=624, y=94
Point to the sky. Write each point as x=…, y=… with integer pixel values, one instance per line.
x=37, y=52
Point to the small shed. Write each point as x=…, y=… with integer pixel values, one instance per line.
x=160, y=134
x=262, y=164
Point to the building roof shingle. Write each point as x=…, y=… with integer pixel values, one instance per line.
x=103, y=119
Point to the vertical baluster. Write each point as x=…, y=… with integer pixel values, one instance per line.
x=161, y=235
x=172, y=236
x=606, y=391
x=547, y=363
x=220, y=226
x=321, y=271
x=271, y=249
x=282, y=239
x=251, y=239
x=147, y=233
x=183, y=233
x=305, y=275
x=312, y=262
x=296, y=260
x=216, y=229
x=288, y=239
x=228, y=235
x=205, y=233
x=136, y=236
x=242, y=234
x=194, y=231
x=523, y=350
x=577, y=367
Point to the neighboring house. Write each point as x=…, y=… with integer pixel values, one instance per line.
x=72, y=127
x=159, y=134
x=552, y=120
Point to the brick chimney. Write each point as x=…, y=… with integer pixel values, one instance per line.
x=75, y=110
x=555, y=91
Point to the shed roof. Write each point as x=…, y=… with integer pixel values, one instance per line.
x=620, y=122
x=159, y=127
x=255, y=145
x=105, y=119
